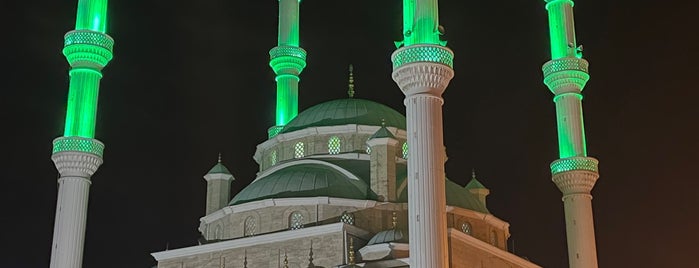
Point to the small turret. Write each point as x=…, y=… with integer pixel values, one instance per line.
x=383, y=147
x=476, y=187
x=218, y=187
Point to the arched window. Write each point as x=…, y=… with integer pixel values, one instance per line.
x=298, y=150
x=405, y=150
x=250, y=226
x=466, y=228
x=347, y=218
x=334, y=145
x=273, y=158
x=295, y=220
x=494, y=238
x=218, y=233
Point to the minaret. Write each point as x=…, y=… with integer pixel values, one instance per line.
x=218, y=187
x=77, y=154
x=574, y=172
x=287, y=60
x=422, y=69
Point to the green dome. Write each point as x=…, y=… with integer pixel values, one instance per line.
x=304, y=180
x=456, y=196
x=346, y=111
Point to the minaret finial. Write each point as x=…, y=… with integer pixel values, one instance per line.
x=286, y=260
x=219, y=157
x=310, y=257
x=245, y=258
x=394, y=220
x=351, y=251
x=350, y=91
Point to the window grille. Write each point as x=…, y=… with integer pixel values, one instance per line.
x=250, y=226
x=298, y=150
x=295, y=220
x=334, y=145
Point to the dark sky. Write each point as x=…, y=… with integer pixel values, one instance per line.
x=190, y=79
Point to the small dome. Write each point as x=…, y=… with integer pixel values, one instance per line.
x=346, y=111
x=386, y=236
x=456, y=196
x=304, y=180
x=219, y=169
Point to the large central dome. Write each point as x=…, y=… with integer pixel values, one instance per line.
x=346, y=111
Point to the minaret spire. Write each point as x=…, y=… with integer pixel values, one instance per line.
x=422, y=69
x=574, y=172
x=287, y=60
x=77, y=154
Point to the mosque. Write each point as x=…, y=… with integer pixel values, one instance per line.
x=348, y=182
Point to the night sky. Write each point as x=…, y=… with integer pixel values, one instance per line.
x=191, y=79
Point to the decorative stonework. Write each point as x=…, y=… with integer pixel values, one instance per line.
x=574, y=163
x=88, y=49
x=423, y=78
x=566, y=75
x=287, y=60
x=78, y=144
x=76, y=164
x=575, y=181
x=423, y=53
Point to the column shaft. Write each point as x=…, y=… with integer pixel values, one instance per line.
x=81, y=113
x=287, y=98
x=288, y=23
x=571, y=131
x=561, y=28
x=426, y=182
x=69, y=228
x=580, y=231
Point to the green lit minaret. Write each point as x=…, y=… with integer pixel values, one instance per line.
x=77, y=154
x=574, y=172
x=422, y=68
x=287, y=60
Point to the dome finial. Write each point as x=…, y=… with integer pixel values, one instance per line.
x=394, y=220
x=351, y=251
x=383, y=122
x=350, y=91
x=245, y=258
x=473, y=173
x=219, y=157
x=310, y=257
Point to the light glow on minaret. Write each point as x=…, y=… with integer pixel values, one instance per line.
x=77, y=155
x=574, y=172
x=287, y=60
x=422, y=69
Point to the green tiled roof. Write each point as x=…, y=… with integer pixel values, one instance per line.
x=475, y=184
x=456, y=196
x=346, y=111
x=383, y=132
x=387, y=236
x=219, y=169
x=304, y=180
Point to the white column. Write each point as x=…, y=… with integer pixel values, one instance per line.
x=71, y=217
x=423, y=78
x=76, y=160
x=576, y=184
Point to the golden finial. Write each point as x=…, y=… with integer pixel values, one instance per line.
x=310, y=257
x=351, y=251
x=394, y=219
x=350, y=91
x=286, y=260
x=245, y=259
